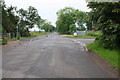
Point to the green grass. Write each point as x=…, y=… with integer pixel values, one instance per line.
x=94, y=33
x=33, y=34
x=0, y=42
x=82, y=36
x=110, y=56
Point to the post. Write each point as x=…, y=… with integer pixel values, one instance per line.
x=17, y=33
x=92, y=26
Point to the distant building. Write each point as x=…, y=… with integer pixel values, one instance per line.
x=80, y=33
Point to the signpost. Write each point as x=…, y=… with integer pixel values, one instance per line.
x=17, y=32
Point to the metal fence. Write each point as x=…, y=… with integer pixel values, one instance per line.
x=82, y=32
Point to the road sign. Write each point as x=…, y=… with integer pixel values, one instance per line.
x=16, y=26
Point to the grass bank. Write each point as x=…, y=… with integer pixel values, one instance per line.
x=0, y=42
x=32, y=34
x=35, y=34
x=111, y=56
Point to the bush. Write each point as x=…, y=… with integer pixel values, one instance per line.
x=111, y=36
x=4, y=41
x=81, y=29
x=72, y=28
x=106, y=16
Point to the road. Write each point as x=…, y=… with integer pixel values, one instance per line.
x=50, y=57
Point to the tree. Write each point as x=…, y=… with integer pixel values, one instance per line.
x=72, y=28
x=28, y=19
x=48, y=27
x=80, y=18
x=32, y=16
x=65, y=19
x=40, y=23
x=107, y=15
x=9, y=19
x=25, y=19
x=89, y=20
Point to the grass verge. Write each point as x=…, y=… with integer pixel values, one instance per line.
x=35, y=34
x=0, y=42
x=32, y=34
x=110, y=56
x=82, y=36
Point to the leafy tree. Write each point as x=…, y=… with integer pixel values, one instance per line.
x=89, y=20
x=106, y=15
x=72, y=28
x=32, y=16
x=9, y=19
x=48, y=27
x=28, y=18
x=25, y=19
x=40, y=23
x=80, y=18
x=65, y=19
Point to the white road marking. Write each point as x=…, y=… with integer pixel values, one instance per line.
x=82, y=44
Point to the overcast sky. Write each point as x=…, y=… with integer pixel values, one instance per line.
x=47, y=8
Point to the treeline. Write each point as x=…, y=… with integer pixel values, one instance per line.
x=12, y=18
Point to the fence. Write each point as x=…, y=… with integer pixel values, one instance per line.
x=82, y=32
x=9, y=35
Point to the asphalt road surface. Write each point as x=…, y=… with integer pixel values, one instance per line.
x=50, y=57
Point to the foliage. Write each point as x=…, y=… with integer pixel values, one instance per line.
x=24, y=19
x=48, y=27
x=110, y=56
x=81, y=29
x=89, y=20
x=28, y=18
x=4, y=40
x=9, y=20
x=107, y=15
x=72, y=28
x=80, y=17
x=67, y=17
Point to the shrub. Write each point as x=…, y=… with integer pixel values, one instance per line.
x=4, y=41
x=111, y=36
